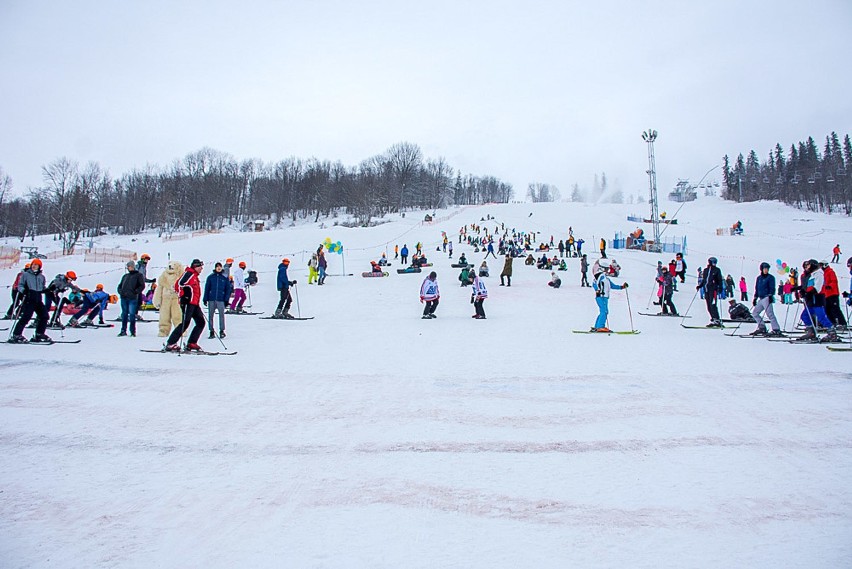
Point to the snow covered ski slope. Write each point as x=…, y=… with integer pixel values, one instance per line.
x=370, y=437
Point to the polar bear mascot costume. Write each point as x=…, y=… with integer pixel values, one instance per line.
x=166, y=299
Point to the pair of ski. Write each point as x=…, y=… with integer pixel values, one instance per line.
x=669, y=315
x=619, y=332
x=241, y=313
x=189, y=352
x=43, y=343
x=287, y=318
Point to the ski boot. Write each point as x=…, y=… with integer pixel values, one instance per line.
x=831, y=337
x=122, y=334
x=193, y=347
x=432, y=315
x=425, y=317
x=41, y=338
x=278, y=315
x=714, y=324
x=808, y=337
x=603, y=330
x=87, y=322
x=221, y=333
x=172, y=348
x=759, y=332
x=18, y=339
x=775, y=334
x=73, y=323
x=212, y=335
x=286, y=315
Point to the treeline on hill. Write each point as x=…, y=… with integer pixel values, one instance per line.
x=802, y=177
x=209, y=189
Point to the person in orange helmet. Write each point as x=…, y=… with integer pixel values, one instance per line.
x=31, y=286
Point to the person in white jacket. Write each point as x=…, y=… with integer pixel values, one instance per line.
x=430, y=295
x=239, y=282
x=166, y=299
x=478, y=296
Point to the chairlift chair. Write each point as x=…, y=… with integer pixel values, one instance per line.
x=766, y=179
x=841, y=171
x=818, y=175
x=811, y=179
x=829, y=178
x=779, y=180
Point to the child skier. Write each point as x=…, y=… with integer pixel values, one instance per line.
x=31, y=288
x=284, y=284
x=430, y=295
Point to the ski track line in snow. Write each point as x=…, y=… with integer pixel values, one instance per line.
x=501, y=447
x=742, y=513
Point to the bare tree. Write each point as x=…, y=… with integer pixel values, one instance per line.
x=405, y=159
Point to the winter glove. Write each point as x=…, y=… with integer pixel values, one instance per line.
x=292, y=283
x=754, y=301
x=698, y=288
x=625, y=285
x=205, y=303
x=849, y=302
x=184, y=299
x=421, y=300
x=845, y=294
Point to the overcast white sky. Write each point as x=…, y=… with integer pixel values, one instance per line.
x=525, y=91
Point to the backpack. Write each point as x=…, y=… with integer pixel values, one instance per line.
x=252, y=278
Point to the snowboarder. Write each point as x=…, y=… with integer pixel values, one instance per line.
x=129, y=289
x=430, y=295
x=507, y=271
x=710, y=283
x=764, y=289
x=602, y=270
x=284, y=283
x=217, y=292
x=31, y=288
x=166, y=298
x=478, y=296
x=188, y=288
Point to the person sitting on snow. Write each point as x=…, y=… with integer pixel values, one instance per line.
x=555, y=281
x=483, y=269
x=738, y=311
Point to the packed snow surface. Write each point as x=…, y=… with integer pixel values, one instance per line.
x=369, y=437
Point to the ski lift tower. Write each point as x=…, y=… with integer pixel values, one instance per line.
x=649, y=136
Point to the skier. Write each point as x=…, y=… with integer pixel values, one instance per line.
x=603, y=249
x=188, y=288
x=555, y=281
x=848, y=295
x=478, y=296
x=710, y=283
x=396, y=251
x=738, y=311
x=601, y=271
x=54, y=291
x=666, y=280
x=764, y=289
x=729, y=287
x=226, y=270
x=94, y=304
x=322, y=265
x=313, y=266
x=831, y=289
x=284, y=284
x=430, y=295
x=490, y=250
x=166, y=298
x=584, y=269
x=450, y=249
x=16, y=296
x=142, y=267
x=129, y=289
x=811, y=286
x=217, y=292
x=31, y=288
x=836, y=254
x=680, y=267
x=507, y=270
x=239, y=287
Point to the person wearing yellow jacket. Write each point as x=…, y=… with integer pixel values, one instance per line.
x=166, y=299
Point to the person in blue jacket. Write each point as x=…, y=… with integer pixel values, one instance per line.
x=94, y=303
x=764, y=298
x=603, y=269
x=217, y=293
x=284, y=284
x=403, y=253
x=848, y=295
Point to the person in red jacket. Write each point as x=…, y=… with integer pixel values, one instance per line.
x=836, y=253
x=831, y=290
x=188, y=288
x=16, y=296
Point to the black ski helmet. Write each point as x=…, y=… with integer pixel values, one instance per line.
x=712, y=260
x=849, y=262
x=765, y=265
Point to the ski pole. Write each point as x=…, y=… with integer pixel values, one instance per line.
x=688, y=307
x=184, y=310
x=629, y=310
x=298, y=308
x=248, y=288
